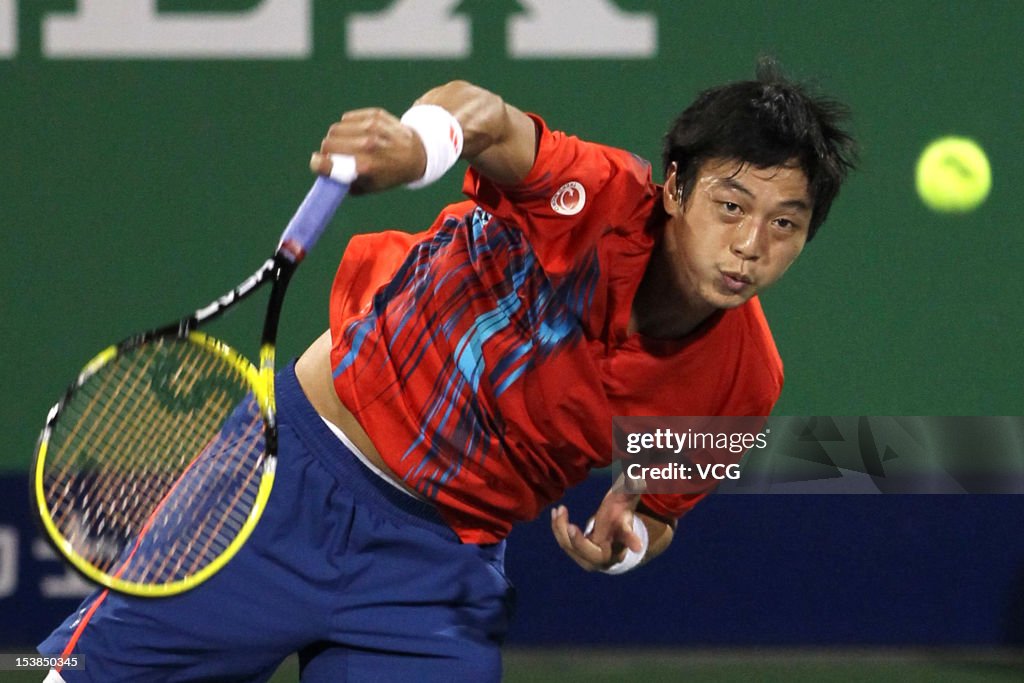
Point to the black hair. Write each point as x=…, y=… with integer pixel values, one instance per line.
x=766, y=122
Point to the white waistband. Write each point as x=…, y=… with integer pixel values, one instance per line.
x=362, y=456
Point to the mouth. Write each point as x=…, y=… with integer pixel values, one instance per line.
x=735, y=282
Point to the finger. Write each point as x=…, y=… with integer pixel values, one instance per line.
x=349, y=136
x=606, y=528
x=320, y=163
x=582, y=545
x=560, y=527
x=629, y=538
x=572, y=540
x=620, y=501
x=339, y=141
x=363, y=113
x=588, y=550
x=361, y=128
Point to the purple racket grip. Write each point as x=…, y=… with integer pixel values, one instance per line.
x=316, y=210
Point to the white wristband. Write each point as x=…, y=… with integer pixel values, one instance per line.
x=632, y=559
x=442, y=139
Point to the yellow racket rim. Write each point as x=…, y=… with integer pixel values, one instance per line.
x=261, y=383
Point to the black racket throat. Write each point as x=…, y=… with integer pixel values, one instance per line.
x=281, y=275
x=277, y=270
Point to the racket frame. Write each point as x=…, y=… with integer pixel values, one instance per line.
x=256, y=379
x=301, y=234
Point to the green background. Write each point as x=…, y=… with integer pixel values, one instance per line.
x=137, y=190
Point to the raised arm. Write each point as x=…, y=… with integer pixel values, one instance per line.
x=499, y=140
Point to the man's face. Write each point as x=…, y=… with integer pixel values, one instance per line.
x=737, y=233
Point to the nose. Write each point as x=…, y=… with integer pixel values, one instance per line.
x=746, y=240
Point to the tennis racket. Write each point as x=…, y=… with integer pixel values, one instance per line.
x=154, y=467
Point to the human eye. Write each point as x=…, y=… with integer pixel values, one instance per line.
x=730, y=208
x=787, y=224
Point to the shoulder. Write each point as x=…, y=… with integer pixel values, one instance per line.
x=557, y=149
x=565, y=167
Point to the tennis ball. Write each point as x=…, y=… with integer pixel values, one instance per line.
x=953, y=175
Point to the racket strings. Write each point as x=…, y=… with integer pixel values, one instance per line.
x=229, y=517
x=142, y=436
x=158, y=483
x=95, y=438
x=154, y=462
x=91, y=433
x=98, y=428
x=119, y=437
x=217, y=518
x=183, y=551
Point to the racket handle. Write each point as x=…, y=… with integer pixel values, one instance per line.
x=316, y=210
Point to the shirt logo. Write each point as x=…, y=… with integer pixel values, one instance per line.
x=569, y=199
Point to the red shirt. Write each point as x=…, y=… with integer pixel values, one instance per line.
x=486, y=356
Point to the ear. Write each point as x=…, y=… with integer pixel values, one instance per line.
x=672, y=192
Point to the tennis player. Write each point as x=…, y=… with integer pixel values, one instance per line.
x=471, y=372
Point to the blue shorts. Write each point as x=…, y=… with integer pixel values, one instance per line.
x=364, y=582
